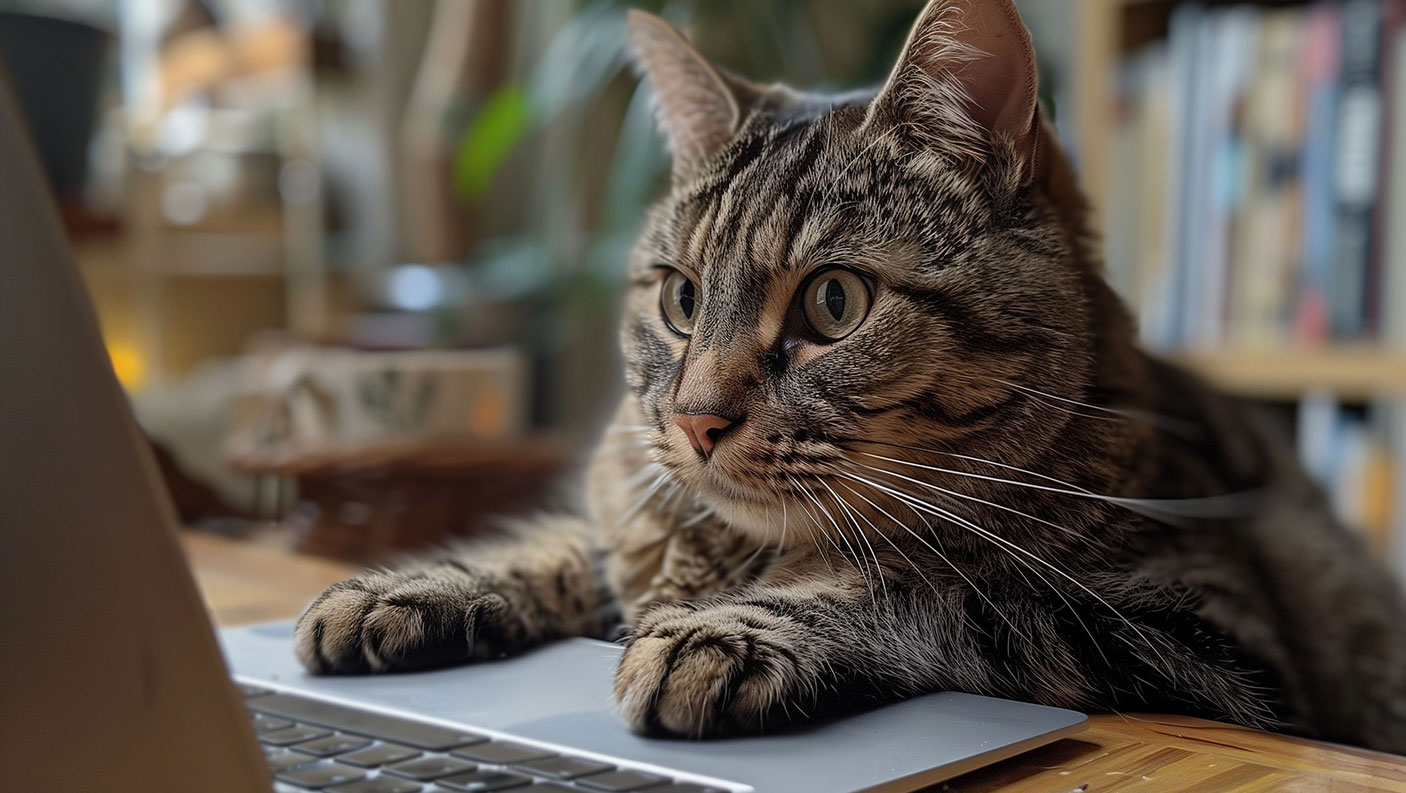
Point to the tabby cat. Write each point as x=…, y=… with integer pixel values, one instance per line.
x=888, y=431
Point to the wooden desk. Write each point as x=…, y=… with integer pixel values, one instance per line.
x=1135, y=753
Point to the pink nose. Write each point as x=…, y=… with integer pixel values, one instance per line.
x=703, y=430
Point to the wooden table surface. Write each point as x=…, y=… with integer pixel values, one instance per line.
x=244, y=583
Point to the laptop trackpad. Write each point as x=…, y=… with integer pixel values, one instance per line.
x=561, y=695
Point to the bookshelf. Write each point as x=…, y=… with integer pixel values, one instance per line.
x=1108, y=30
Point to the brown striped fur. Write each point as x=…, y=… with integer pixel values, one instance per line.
x=986, y=487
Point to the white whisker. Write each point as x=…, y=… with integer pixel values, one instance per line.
x=1160, y=509
x=1001, y=541
x=847, y=509
x=1169, y=423
x=967, y=497
x=976, y=589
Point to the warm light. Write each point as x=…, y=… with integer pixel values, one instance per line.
x=127, y=363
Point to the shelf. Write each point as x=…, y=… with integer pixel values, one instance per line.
x=1351, y=373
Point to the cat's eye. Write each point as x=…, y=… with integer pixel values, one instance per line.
x=835, y=302
x=679, y=302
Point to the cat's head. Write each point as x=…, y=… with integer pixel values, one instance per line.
x=832, y=281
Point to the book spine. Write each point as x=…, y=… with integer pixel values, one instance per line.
x=1390, y=284
x=1319, y=81
x=1359, y=118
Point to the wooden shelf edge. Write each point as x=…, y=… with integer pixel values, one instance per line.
x=1353, y=373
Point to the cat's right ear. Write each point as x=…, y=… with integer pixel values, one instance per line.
x=966, y=82
x=700, y=106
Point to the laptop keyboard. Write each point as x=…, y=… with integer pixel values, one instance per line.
x=316, y=745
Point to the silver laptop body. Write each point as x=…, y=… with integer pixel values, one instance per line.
x=112, y=679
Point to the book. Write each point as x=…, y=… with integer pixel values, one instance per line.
x=1267, y=253
x=1356, y=162
x=1319, y=85
x=1391, y=309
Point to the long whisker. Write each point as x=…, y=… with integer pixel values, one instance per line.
x=918, y=569
x=664, y=476
x=1169, y=423
x=979, y=500
x=781, y=543
x=810, y=528
x=697, y=519
x=971, y=583
x=982, y=460
x=856, y=559
x=1055, y=590
x=1001, y=541
x=848, y=511
x=1161, y=509
x=624, y=446
x=627, y=428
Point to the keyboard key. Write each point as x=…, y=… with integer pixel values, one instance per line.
x=620, y=781
x=320, y=775
x=380, y=754
x=284, y=759
x=484, y=780
x=291, y=735
x=264, y=723
x=543, y=787
x=563, y=767
x=251, y=691
x=683, y=787
x=502, y=753
x=381, y=784
x=281, y=787
x=362, y=722
x=333, y=744
x=432, y=767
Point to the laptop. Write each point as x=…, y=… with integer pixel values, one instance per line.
x=114, y=681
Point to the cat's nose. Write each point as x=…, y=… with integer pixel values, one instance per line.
x=703, y=430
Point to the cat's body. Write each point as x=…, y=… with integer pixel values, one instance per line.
x=980, y=484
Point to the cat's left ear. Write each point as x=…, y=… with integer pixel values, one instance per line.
x=966, y=80
x=700, y=105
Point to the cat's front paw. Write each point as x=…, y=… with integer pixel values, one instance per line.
x=382, y=622
x=711, y=671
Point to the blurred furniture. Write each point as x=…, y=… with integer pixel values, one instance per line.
x=368, y=503
x=1142, y=753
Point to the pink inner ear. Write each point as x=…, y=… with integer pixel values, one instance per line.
x=1001, y=81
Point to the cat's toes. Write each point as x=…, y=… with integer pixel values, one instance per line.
x=719, y=670
x=328, y=636
x=380, y=623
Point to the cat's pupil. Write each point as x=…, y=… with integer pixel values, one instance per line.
x=835, y=299
x=686, y=300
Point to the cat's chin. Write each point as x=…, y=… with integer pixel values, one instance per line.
x=752, y=517
x=757, y=516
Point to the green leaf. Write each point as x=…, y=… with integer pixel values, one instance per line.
x=499, y=126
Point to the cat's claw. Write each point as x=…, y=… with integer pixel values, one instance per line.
x=712, y=671
x=396, y=622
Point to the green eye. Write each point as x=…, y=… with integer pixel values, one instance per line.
x=679, y=302
x=835, y=302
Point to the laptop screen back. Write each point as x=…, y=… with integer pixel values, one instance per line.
x=112, y=680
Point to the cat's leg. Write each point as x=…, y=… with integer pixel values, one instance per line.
x=479, y=601
x=770, y=653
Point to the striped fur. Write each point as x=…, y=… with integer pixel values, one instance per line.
x=985, y=487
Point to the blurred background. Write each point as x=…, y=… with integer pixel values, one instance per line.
x=357, y=262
